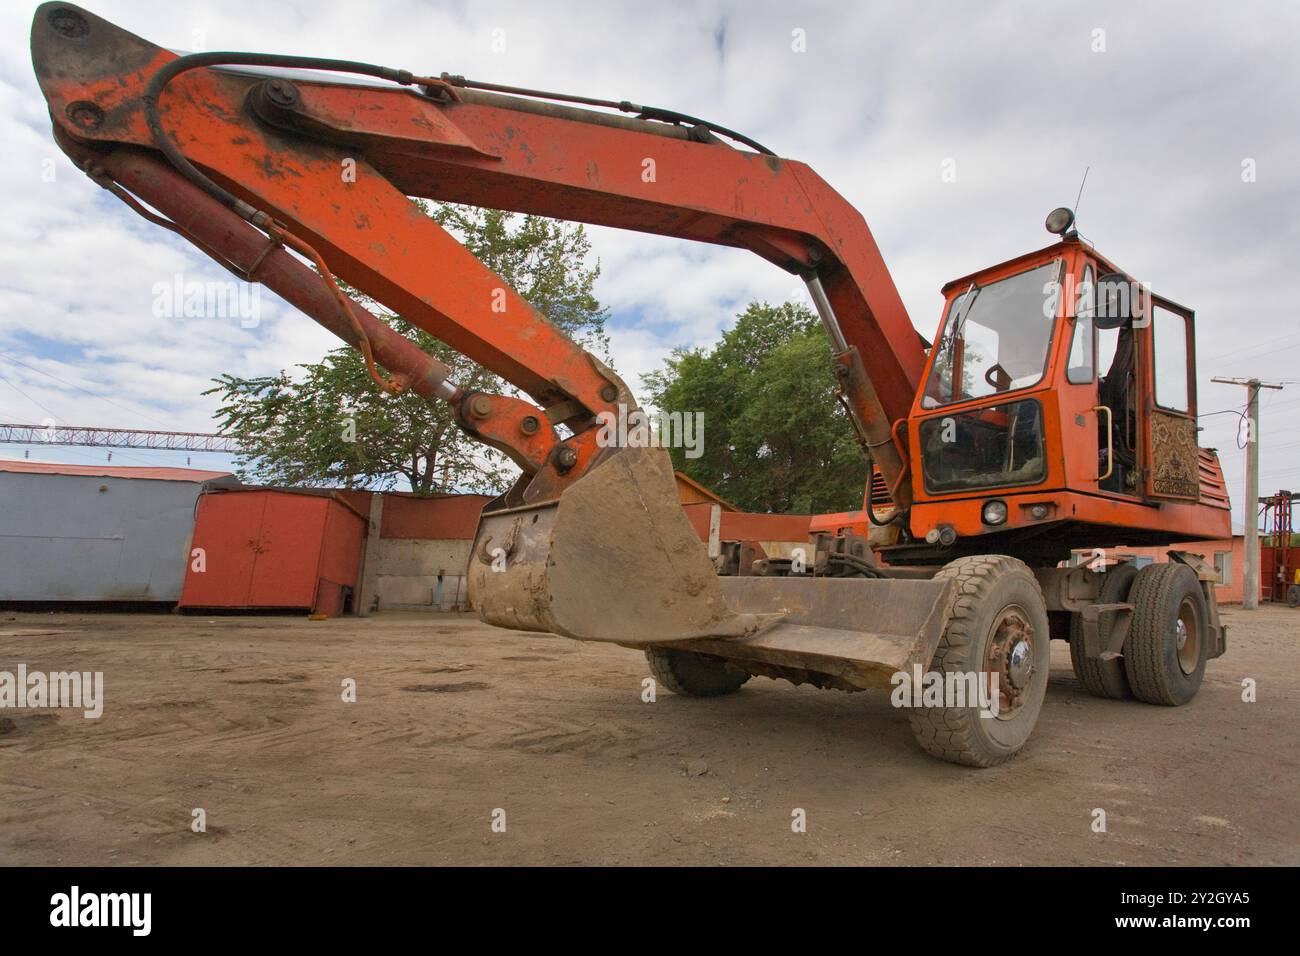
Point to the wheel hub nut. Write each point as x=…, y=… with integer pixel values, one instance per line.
x=1020, y=663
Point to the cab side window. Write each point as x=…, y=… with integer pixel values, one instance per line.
x=1082, y=364
x=1169, y=344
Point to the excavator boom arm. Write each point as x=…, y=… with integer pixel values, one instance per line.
x=325, y=167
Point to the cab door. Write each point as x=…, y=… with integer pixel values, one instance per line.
x=1104, y=359
x=1168, y=378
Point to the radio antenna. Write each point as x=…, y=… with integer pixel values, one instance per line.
x=1079, y=198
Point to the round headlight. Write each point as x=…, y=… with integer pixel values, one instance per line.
x=995, y=512
x=1059, y=220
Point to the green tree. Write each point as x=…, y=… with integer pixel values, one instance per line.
x=775, y=438
x=328, y=423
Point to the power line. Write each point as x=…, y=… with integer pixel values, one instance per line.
x=79, y=388
x=1266, y=344
x=103, y=436
x=45, y=408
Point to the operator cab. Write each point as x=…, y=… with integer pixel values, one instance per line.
x=995, y=341
x=1057, y=384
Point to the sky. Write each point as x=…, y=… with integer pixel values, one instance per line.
x=1183, y=113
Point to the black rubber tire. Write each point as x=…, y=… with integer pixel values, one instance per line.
x=1103, y=678
x=1151, y=651
x=693, y=675
x=987, y=584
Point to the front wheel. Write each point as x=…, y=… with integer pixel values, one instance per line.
x=999, y=627
x=693, y=675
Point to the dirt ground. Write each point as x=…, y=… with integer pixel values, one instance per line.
x=244, y=718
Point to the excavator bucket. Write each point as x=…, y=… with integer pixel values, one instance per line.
x=614, y=559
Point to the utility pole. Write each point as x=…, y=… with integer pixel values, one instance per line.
x=1250, y=576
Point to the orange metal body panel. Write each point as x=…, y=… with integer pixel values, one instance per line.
x=112, y=471
x=270, y=549
x=748, y=526
x=289, y=551
x=225, y=528
x=341, y=546
x=453, y=517
x=1274, y=585
x=416, y=517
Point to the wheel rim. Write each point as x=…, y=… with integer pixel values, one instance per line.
x=1187, y=636
x=1011, y=655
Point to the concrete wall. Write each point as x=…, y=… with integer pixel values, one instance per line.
x=418, y=550
x=93, y=538
x=424, y=573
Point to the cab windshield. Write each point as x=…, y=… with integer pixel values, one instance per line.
x=995, y=338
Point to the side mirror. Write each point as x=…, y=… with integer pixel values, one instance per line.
x=1116, y=301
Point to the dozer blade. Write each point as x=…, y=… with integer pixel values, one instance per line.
x=614, y=559
x=859, y=630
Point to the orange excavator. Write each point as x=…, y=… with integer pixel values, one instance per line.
x=1055, y=412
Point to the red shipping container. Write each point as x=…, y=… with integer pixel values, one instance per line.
x=273, y=549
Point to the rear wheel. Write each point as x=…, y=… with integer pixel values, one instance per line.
x=693, y=675
x=998, y=626
x=1166, y=650
x=1103, y=678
